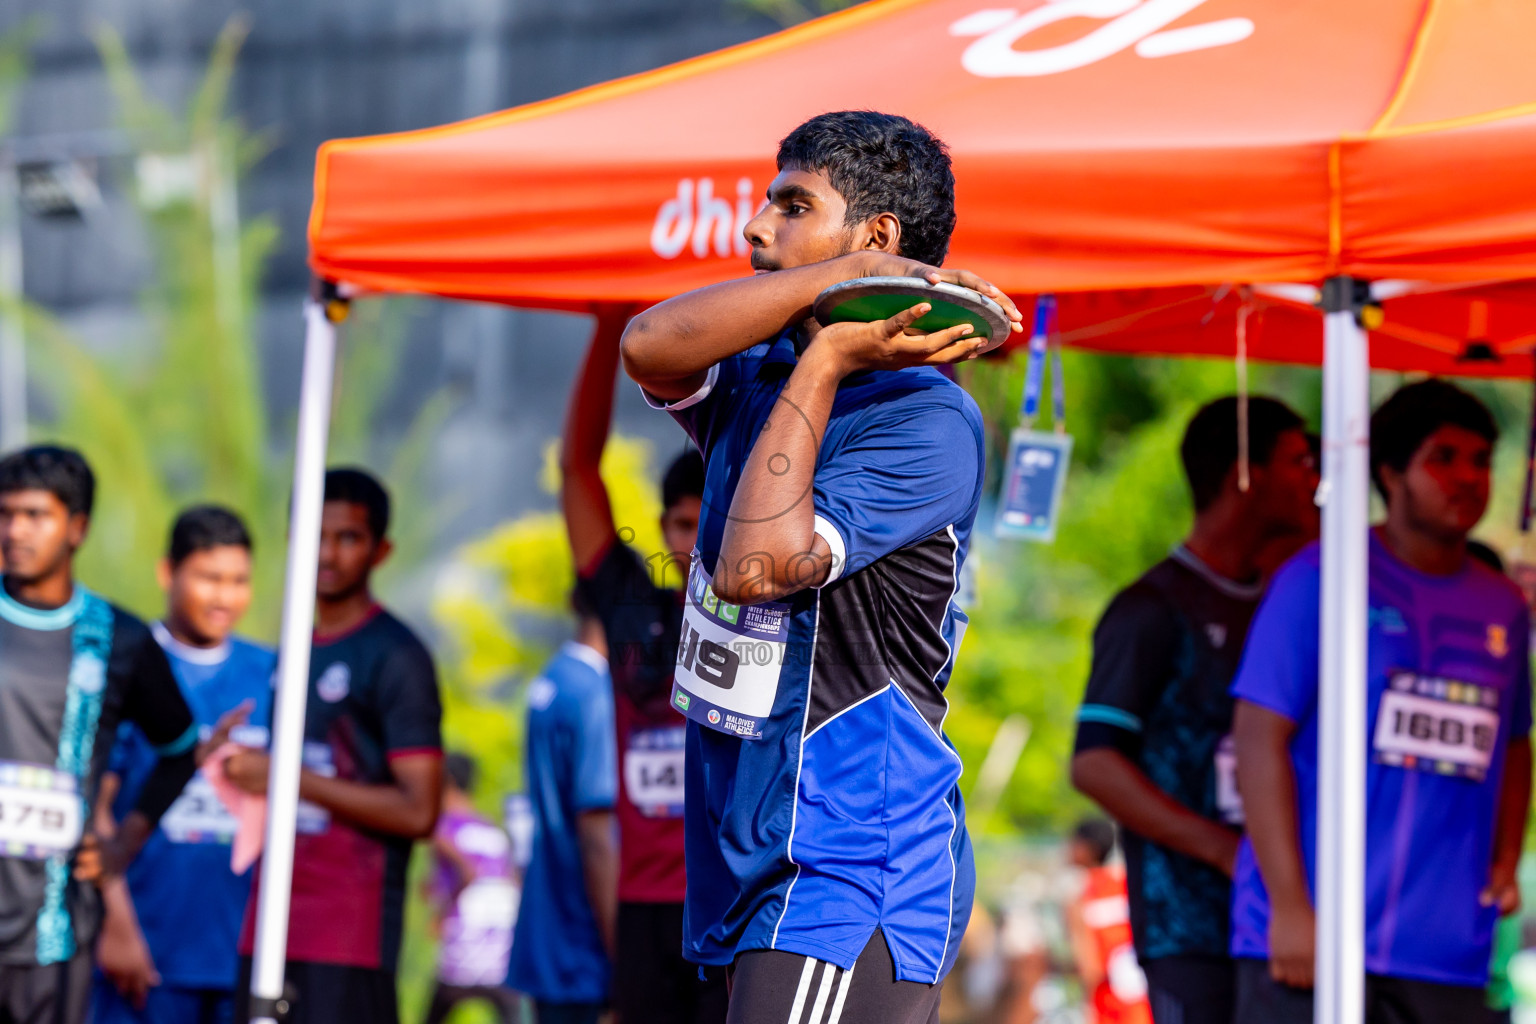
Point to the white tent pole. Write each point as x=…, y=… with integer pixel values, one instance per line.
x=267, y=1000
x=1340, y=895
x=13, y=342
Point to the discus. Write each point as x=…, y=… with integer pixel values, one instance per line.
x=867, y=299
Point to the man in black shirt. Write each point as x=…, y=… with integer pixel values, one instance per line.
x=1152, y=746
x=72, y=667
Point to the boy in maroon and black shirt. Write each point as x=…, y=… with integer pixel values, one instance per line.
x=372, y=778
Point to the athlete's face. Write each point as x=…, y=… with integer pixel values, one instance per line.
x=38, y=535
x=1284, y=488
x=802, y=224
x=680, y=529
x=1443, y=492
x=349, y=552
x=208, y=593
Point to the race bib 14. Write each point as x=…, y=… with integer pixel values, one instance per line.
x=41, y=814
x=653, y=770
x=728, y=659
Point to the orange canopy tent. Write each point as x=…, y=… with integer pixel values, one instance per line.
x=1167, y=146
x=1158, y=164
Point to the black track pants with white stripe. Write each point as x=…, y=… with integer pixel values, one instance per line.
x=772, y=987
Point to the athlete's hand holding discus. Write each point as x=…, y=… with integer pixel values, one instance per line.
x=725, y=319
x=891, y=344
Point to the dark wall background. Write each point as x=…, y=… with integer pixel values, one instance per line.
x=317, y=69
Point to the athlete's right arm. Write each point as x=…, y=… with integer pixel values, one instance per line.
x=1267, y=780
x=597, y=838
x=669, y=348
x=583, y=496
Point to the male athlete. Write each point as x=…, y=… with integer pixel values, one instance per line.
x=639, y=602
x=72, y=667
x=1448, y=780
x=372, y=776
x=824, y=822
x=167, y=950
x=1152, y=747
x=564, y=944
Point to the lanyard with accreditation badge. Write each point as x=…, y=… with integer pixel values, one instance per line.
x=1036, y=471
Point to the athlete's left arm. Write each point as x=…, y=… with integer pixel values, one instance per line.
x=771, y=548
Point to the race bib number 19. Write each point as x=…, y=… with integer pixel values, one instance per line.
x=40, y=811
x=1437, y=725
x=728, y=660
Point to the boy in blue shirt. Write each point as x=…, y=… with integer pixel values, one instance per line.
x=563, y=947
x=1448, y=777
x=167, y=950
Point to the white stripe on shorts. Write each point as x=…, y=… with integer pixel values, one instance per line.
x=827, y=971
x=842, y=994
x=805, y=983
x=833, y=988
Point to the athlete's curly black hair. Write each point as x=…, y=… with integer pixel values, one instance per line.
x=882, y=163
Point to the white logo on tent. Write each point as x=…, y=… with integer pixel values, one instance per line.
x=696, y=218
x=1138, y=23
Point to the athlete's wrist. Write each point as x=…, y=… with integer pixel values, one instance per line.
x=823, y=364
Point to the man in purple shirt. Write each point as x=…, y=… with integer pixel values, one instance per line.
x=1449, y=771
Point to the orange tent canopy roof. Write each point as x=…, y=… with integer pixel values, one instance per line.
x=1099, y=146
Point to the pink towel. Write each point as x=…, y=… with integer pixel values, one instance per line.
x=250, y=811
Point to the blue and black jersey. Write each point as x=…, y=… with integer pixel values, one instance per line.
x=1164, y=655
x=822, y=796
x=68, y=677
